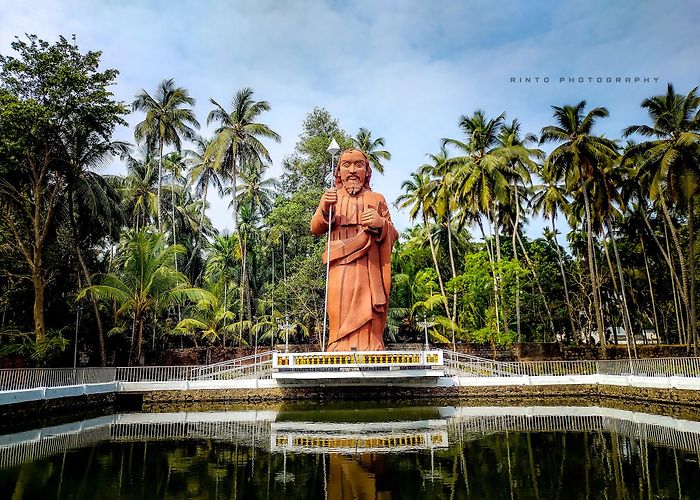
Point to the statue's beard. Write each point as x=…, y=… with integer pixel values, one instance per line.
x=352, y=186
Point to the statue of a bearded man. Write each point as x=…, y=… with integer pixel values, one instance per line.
x=362, y=237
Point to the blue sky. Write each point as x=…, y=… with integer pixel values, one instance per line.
x=407, y=70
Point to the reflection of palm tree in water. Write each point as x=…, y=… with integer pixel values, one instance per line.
x=358, y=477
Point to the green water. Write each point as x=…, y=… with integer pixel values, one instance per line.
x=341, y=452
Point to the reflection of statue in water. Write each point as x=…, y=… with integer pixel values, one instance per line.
x=357, y=477
x=362, y=237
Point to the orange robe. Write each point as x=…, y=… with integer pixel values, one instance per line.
x=360, y=271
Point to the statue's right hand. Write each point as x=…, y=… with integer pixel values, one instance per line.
x=329, y=199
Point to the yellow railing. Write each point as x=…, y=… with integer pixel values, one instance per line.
x=355, y=359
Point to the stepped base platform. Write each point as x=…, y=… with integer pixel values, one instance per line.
x=356, y=367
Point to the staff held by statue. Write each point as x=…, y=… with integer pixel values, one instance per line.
x=333, y=149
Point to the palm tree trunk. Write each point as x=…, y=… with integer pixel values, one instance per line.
x=538, y=282
x=599, y=288
x=657, y=329
x=516, y=226
x=489, y=252
x=677, y=304
x=39, y=287
x=225, y=309
x=569, y=308
x=517, y=287
x=676, y=285
x=234, y=201
x=244, y=255
x=625, y=308
x=691, y=266
x=139, y=341
x=499, y=262
x=172, y=210
x=684, y=268
x=160, y=178
x=86, y=274
x=591, y=268
x=435, y=262
x=201, y=215
x=454, y=276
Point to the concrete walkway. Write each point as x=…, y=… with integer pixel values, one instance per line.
x=252, y=385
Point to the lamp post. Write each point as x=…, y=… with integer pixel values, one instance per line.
x=333, y=149
x=287, y=327
x=426, y=324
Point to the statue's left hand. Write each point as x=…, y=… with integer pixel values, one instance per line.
x=371, y=219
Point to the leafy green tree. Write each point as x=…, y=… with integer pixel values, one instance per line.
x=309, y=167
x=50, y=95
x=93, y=206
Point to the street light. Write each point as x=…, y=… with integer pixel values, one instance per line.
x=333, y=149
x=426, y=324
x=286, y=327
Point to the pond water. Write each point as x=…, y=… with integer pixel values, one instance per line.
x=358, y=451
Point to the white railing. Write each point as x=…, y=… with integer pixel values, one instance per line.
x=259, y=366
x=259, y=369
x=154, y=373
x=466, y=365
x=652, y=367
x=237, y=365
x=13, y=379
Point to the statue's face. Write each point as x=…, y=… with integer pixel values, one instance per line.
x=353, y=171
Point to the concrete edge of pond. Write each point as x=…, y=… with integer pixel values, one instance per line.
x=667, y=390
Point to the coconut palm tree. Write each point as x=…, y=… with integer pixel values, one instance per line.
x=208, y=319
x=174, y=164
x=238, y=137
x=522, y=163
x=169, y=119
x=248, y=234
x=418, y=197
x=192, y=228
x=204, y=172
x=254, y=191
x=671, y=160
x=579, y=157
x=370, y=147
x=549, y=199
x=146, y=283
x=446, y=207
x=482, y=183
x=139, y=189
x=222, y=262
